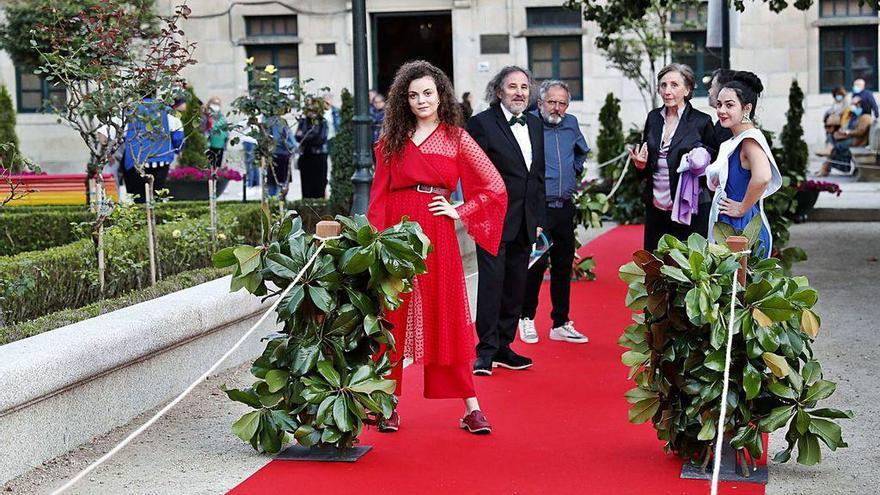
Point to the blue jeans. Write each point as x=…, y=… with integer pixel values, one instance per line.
x=253, y=171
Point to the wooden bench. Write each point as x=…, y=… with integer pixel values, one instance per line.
x=56, y=189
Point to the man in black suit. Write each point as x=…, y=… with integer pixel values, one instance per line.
x=514, y=141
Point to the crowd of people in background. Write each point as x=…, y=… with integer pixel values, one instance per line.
x=848, y=123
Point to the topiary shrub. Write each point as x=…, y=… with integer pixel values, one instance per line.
x=610, y=141
x=676, y=352
x=317, y=380
x=194, y=142
x=9, y=154
x=342, y=156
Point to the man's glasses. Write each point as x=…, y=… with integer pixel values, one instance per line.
x=556, y=103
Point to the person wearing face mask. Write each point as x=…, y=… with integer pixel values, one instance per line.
x=679, y=141
x=514, y=141
x=854, y=132
x=858, y=89
x=565, y=151
x=745, y=172
x=420, y=156
x=216, y=130
x=832, y=118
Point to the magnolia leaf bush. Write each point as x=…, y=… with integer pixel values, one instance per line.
x=317, y=379
x=676, y=352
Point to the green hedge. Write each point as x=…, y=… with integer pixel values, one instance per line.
x=65, y=277
x=65, y=317
x=18, y=234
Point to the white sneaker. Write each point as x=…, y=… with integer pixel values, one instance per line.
x=527, y=332
x=566, y=333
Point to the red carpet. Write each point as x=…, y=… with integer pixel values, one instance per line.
x=559, y=428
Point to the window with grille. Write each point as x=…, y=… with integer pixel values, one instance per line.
x=35, y=95
x=271, y=25
x=553, y=17
x=702, y=60
x=845, y=54
x=558, y=57
x=846, y=8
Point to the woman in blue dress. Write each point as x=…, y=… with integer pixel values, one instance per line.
x=745, y=172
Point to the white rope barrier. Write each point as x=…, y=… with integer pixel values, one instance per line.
x=199, y=380
x=719, y=438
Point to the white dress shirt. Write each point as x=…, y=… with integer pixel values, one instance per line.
x=521, y=133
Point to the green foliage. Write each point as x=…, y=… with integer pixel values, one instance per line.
x=23, y=33
x=627, y=205
x=194, y=144
x=676, y=352
x=65, y=317
x=613, y=15
x=610, y=141
x=317, y=379
x=792, y=137
x=342, y=156
x=65, y=277
x=60, y=224
x=9, y=154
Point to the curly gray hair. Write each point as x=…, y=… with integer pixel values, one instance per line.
x=497, y=82
x=553, y=83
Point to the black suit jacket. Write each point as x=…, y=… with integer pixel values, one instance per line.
x=694, y=130
x=525, y=186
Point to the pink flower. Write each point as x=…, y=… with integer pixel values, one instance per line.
x=198, y=174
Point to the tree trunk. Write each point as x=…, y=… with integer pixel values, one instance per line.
x=212, y=205
x=264, y=197
x=96, y=201
x=151, y=228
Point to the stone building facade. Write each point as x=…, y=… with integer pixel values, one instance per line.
x=831, y=43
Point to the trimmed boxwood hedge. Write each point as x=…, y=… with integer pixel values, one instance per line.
x=32, y=228
x=65, y=317
x=65, y=277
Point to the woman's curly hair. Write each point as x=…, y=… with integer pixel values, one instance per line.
x=400, y=121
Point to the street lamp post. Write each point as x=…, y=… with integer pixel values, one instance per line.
x=363, y=159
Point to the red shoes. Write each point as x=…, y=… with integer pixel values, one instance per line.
x=391, y=424
x=476, y=423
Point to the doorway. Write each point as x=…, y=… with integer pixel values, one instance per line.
x=403, y=36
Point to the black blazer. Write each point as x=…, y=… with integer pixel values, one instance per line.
x=525, y=186
x=694, y=130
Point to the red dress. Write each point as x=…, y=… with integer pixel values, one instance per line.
x=433, y=324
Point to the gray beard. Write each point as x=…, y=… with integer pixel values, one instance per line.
x=552, y=119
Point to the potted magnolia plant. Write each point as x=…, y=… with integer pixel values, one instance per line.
x=321, y=376
x=681, y=297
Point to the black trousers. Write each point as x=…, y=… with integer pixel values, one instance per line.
x=313, y=174
x=560, y=229
x=502, y=283
x=215, y=157
x=659, y=222
x=137, y=186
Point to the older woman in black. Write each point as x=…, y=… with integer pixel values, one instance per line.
x=671, y=133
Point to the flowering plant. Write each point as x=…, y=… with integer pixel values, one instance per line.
x=819, y=186
x=193, y=173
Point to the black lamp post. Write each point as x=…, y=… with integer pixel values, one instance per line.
x=363, y=158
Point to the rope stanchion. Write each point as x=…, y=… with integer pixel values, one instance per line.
x=738, y=245
x=325, y=231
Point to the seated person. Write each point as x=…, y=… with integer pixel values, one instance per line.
x=853, y=131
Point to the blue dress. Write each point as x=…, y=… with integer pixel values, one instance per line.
x=737, y=183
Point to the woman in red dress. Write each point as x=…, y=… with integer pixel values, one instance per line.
x=420, y=157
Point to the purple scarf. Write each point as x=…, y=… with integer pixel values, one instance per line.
x=685, y=203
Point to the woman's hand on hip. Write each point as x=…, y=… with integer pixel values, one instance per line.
x=731, y=208
x=639, y=155
x=441, y=206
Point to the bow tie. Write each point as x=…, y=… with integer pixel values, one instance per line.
x=517, y=120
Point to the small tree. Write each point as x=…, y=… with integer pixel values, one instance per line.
x=792, y=137
x=610, y=141
x=8, y=139
x=110, y=60
x=194, y=142
x=342, y=155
